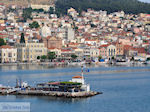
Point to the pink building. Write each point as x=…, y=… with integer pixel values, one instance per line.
x=103, y=50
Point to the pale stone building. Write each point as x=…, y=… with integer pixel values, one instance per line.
x=8, y=54
x=111, y=51
x=30, y=51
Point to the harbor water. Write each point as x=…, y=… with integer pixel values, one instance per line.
x=125, y=89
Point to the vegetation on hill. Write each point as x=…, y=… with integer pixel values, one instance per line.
x=34, y=24
x=129, y=6
x=2, y=42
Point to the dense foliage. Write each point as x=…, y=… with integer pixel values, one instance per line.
x=51, y=55
x=27, y=13
x=129, y=6
x=22, y=39
x=73, y=56
x=34, y=24
x=2, y=42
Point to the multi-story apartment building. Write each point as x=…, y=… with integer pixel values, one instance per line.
x=8, y=54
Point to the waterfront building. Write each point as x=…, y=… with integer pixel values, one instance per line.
x=120, y=49
x=77, y=84
x=56, y=50
x=79, y=52
x=94, y=52
x=8, y=54
x=66, y=53
x=103, y=51
x=111, y=51
x=86, y=52
x=30, y=51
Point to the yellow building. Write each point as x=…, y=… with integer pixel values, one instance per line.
x=94, y=52
x=30, y=51
x=2, y=21
x=8, y=54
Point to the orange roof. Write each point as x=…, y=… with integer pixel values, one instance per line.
x=104, y=45
x=5, y=47
x=80, y=77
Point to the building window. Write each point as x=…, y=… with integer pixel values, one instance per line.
x=9, y=54
x=111, y=52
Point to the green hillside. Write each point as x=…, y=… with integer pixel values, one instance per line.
x=129, y=6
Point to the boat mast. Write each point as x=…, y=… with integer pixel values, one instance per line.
x=82, y=71
x=82, y=75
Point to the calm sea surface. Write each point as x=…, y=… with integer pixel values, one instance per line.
x=125, y=89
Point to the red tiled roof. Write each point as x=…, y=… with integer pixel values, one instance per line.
x=5, y=47
x=80, y=77
x=2, y=28
x=104, y=45
x=127, y=47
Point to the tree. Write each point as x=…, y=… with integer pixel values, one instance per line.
x=51, y=10
x=113, y=58
x=132, y=59
x=38, y=10
x=73, y=56
x=51, y=55
x=27, y=13
x=99, y=58
x=22, y=40
x=44, y=57
x=148, y=59
x=38, y=57
x=2, y=42
x=34, y=24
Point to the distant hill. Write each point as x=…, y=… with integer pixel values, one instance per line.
x=129, y=6
x=26, y=2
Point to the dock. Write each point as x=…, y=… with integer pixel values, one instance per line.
x=51, y=93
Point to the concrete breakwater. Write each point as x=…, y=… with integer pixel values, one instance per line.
x=52, y=93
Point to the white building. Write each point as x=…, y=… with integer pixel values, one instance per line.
x=45, y=31
x=70, y=34
x=80, y=79
x=8, y=54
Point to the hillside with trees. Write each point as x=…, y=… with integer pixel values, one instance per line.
x=26, y=2
x=128, y=6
